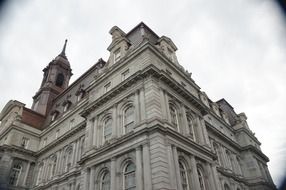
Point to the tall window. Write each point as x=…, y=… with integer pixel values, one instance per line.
x=201, y=179
x=174, y=116
x=60, y=80
x=105, y=181
x=128, y=119
x=129, y=177
x=15, y=173
x=184, y=176
x=191, y=128
x=107, y=129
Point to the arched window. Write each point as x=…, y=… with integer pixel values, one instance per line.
x=226, y=187
x=107, y=129
x=15, y=173
x=201, y=179
x=184, y=176
x=60, y=80
x=105, y=181
x=128, y=119
x=191, y=127
x=129, y=177
x=174, y=116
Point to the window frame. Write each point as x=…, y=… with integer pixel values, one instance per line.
x=131, y=173
x=131, y=122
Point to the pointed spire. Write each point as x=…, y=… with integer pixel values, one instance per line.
x=63, y=53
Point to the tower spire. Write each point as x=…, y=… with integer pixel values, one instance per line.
x=63, y=53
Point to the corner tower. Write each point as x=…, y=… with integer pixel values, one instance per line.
x=55, y=80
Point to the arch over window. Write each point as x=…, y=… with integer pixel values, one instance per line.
x=174, y=116
x=60, y=80
x=104, y=181
x=107, y=129
x=129, y=179
x=128, y=119
x=184, y=176
x=15, y=174
x=190, y=121
x=201, y=178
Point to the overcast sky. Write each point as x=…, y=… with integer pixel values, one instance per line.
x=235, y=50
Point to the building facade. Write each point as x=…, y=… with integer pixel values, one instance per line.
x=136, y=121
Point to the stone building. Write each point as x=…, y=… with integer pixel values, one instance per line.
x=136, y=121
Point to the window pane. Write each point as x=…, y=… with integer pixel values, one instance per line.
x=107, y=129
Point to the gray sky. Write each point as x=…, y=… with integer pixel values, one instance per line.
x=235, y=50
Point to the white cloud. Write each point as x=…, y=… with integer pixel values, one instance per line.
x=235, y=49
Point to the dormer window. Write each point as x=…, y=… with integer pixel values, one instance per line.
x=117, y=55
x=80, y=94
x=66, y=105
x=54, y=115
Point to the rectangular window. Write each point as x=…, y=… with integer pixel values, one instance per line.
x=125, y=75
x=24, y=142
x=117, y=55
x=107, y=87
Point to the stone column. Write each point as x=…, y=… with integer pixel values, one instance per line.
x=177, y=168
x=163, y=104
x=199, y=131
x=95, y=131
x=139, y=179
x=73, y=154
x=215, y=176
x=89, y=136
x=137, y=108
x=76, y=152
x=85, y=173
x=26, y=174
x=91, y=179
x=113, y=174
x=186, y=130
x=142, y=104
x=211, y=177
x=167, y=106
x=114, y=114
x=196, y=182
x=146, y=167
x=172, y=174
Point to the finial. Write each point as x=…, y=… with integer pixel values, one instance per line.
x=63, y=53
